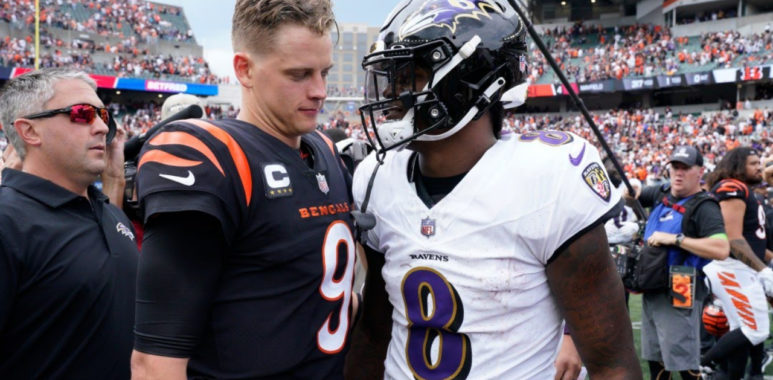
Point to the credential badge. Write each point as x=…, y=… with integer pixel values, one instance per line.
x=428, y=227
x=596, y=178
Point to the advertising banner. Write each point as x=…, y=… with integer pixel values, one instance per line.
x=704, y=77
x=751, y=73
x=169, y=87
x=725, y=75
x=666, y=81
x=5, y=72
x=541, y=91
x=598, y=87
x=636, y=84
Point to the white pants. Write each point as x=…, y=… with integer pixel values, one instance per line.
x=742, y=296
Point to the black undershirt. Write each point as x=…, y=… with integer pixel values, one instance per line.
x=432, y=189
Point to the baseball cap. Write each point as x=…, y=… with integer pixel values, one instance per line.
x=687, y=155
x=177, y=103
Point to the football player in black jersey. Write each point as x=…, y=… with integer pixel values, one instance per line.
x=732, y=182
x=247, y=264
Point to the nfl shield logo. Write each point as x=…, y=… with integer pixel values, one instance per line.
x=322, y=182
x=428, y=227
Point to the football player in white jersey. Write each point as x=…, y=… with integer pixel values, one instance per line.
x=481, y=245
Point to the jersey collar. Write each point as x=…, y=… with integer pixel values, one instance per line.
x=44, y=190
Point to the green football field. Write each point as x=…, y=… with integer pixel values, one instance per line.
x=635, y=311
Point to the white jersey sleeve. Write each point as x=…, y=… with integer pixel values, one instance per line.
x=561, y=175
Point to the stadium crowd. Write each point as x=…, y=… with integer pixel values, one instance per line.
x=644, y=139
x=139, y=117
x=643, y=50
x=134, y=63
x=109, y=18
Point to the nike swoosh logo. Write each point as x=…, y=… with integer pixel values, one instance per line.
x=577, y=160
x=187, y=181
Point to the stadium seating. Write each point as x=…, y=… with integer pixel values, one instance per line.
x=123, y=35
x=655, y=45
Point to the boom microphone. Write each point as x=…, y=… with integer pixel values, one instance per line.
x=133, y=146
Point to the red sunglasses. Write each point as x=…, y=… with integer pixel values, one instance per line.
x=82, y=114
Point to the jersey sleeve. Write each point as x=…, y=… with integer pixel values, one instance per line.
x=186, y=168
x=585, y=196
x=708, y=219
x=650, y=194
x=178, y=273
x=730, y=189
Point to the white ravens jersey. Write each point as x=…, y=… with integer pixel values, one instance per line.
x=467, y=277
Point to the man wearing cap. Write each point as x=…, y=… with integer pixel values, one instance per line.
x=670, y=333
x=743, y=298
x=179, y=102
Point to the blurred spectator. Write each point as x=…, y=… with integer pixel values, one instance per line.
x=109, y=18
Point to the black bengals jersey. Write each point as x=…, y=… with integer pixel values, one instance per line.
x=754, y=217
x=282, y=307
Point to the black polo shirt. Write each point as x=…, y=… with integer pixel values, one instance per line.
x=67, y=282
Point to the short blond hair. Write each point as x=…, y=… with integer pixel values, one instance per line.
x=255, y=21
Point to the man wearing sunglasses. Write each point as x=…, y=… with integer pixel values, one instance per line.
x=67, y=257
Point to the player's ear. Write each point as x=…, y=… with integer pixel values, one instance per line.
x=27, y=132
x=243, y=68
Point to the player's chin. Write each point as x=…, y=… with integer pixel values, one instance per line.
x=307, y=123
x=97, y=167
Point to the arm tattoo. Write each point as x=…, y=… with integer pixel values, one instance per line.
x=583, y=280
x=741, y=251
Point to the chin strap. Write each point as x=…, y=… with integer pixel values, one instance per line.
x=363, y=220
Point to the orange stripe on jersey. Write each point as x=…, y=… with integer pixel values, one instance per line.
x=328, y=141
x=330, y=144
x=186, y=139
x=166, y=159
x=237, y=154
x=731, y=185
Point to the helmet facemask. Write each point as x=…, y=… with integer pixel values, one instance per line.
x=400, y=102
x=453, y=90
x=470, y=55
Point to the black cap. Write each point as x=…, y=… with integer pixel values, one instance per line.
x=687, y=155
